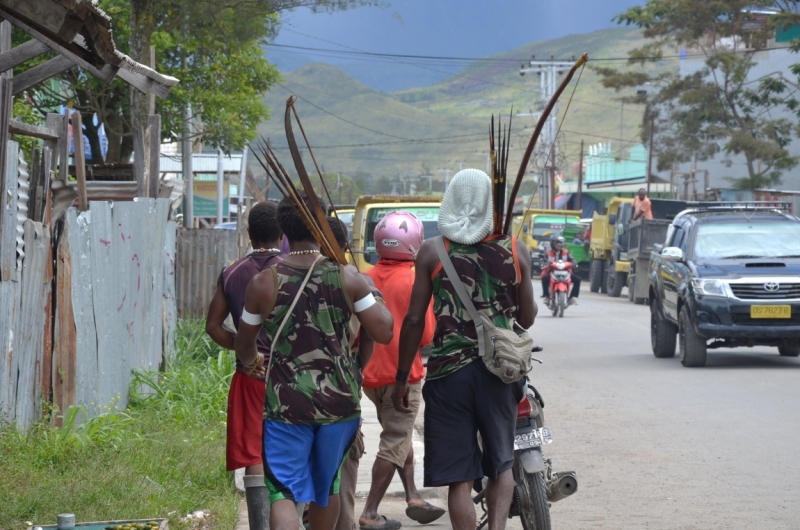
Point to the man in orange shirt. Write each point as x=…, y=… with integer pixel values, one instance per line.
x=641, y=206
x=398, y=238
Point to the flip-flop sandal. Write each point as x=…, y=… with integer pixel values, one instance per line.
x=424, y=514
x=389, y=524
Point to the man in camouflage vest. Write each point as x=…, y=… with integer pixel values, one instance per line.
x=462, y=398
x=311, y=408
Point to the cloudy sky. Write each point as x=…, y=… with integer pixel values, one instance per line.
x=464, y=28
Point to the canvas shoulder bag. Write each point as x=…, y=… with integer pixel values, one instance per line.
x=505, y=352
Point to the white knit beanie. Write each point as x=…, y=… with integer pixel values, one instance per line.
x=466, y=212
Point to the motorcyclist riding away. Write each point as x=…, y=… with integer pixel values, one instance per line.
x=556, y=252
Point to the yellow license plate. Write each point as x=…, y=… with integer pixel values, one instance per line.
x=770, y=311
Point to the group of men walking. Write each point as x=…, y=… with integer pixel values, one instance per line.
x=312, y=336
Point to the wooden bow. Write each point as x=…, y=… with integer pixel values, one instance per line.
x=316, y=208
x=536, y=133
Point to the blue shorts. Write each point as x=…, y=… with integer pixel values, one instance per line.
x=303, y=463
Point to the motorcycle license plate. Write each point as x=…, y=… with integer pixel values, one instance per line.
x=532, y=438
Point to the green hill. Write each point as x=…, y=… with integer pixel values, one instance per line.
x=356, y=129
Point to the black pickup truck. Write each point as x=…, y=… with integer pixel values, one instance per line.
x=726, y=276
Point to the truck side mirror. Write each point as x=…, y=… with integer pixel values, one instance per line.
x=524, y=229
x=612, y=219
x=672, y=254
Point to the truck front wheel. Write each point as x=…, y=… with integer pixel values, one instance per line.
x=692, y=346
x=595, y=275
x=663, y=334
x=789, y=351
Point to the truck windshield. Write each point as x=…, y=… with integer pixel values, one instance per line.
x=748, y=240
x=544, y=228
x=429, y=215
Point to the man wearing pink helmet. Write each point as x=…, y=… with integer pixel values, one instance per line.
x=398, y=238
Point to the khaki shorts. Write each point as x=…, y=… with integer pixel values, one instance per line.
x=397, y=426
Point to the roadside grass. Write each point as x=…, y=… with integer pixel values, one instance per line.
x=164, y=456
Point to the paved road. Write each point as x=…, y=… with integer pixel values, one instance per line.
x=657, y=445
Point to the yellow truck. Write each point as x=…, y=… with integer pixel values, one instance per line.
x=370, y=210
x=610, y=266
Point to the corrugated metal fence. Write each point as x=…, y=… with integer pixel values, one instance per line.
x=114, y=308
x=201, y=255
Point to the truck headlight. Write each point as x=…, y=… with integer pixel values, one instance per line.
x=710, y=288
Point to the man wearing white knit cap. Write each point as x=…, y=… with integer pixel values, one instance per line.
x=462, y=398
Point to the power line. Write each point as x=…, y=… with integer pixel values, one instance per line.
x=488, y=59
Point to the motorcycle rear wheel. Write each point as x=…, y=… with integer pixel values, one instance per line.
x=534, y=509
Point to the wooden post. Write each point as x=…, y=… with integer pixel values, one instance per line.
x=154, y=171
x=65, y=343
x=153, y=66
x=8, y=187
x=579, y=202
x=5, y=46
x=80, y=160
x=139, y=160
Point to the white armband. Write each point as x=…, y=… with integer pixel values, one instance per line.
x=364, y=304
x=250, y=318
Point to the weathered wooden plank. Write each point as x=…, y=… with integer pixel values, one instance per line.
x=169, y=312
x=43, y=193
x=8, y=185
x=154, y=172
x=80, y=161
x=8, y=228
x=24, y=52
x=60, y=146
x=77, y=54
x=64, y=372
x=9, y=307
x=48, y=15
x=26, y=129
x=139, y=159
x=46, y=369
x=34, y=174
x=41, y=72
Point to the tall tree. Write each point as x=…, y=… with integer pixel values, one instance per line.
x=720, y=107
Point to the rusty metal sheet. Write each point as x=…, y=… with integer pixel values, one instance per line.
x=78, y=233
x=201, y=255
x=123, y=245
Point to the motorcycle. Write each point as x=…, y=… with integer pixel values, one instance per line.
x=560, y=287
x=536, y=485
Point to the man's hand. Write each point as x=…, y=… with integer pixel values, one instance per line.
x=259, y=366
x=261, y=370
x=400, y=397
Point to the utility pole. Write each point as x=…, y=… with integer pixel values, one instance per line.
x=188, y=175
x=548, y=72
x=220, y=184
x=242, y=179
x=579, y=202
x=650, y=153
x=552, y=198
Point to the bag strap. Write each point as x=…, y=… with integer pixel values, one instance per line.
x=466, y=299
x=288, y=314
